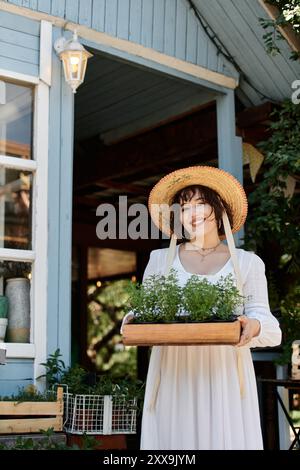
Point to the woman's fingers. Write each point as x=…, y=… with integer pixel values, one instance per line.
x=246, y=335
x=128, y=317
x=250, y=328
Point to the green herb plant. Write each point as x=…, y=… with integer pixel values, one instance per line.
x=229, y=298
x=161, y=299
x=157, y=299
x=199, y=298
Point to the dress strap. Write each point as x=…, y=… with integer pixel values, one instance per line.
x=233, y=252
x=171, y=253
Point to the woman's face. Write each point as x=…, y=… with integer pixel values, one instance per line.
x=198, y=217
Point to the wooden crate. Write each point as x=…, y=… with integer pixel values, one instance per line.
x=30, y=417
x=182, y=333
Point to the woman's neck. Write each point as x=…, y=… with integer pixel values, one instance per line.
x=207, y=242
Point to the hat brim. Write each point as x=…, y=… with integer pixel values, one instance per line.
x=225, y=184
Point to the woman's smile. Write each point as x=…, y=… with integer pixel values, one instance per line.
x=198, y=222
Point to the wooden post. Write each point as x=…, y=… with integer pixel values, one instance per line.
x=230, y=150
x=83, y=307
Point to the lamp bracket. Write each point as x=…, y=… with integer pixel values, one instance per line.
x=60, y=44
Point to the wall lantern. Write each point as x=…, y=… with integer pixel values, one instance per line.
x=74, y=58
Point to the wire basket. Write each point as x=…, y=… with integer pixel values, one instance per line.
x=99, y=414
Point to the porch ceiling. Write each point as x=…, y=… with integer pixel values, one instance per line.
x=118, y=100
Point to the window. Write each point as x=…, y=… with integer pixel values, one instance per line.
x=17, y=179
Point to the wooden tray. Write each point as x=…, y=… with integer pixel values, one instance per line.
x=181, y=333
x=31, y=417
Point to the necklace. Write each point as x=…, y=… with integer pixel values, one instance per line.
x=210, y=250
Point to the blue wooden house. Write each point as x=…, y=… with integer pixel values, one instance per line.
x=170, y=83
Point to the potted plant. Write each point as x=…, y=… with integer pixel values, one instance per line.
x=18, y=293
x=3, y=317
x=198, y=313
x=95, y=405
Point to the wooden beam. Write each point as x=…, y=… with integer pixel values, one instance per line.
x=85, y=234
x=168, y=143
x=254, y=115
x=253, y=135
x=83, y=304
x=128, y=188
x=15, y=148
x=287, y=31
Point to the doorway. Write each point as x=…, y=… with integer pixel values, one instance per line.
x=132, y=126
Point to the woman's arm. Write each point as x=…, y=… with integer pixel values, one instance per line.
x=257, y=307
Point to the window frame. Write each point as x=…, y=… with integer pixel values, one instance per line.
x=38, y=165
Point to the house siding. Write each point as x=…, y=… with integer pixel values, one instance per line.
x=19, y=44
x=15, y=374
x=167, y=26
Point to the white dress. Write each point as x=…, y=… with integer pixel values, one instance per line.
x=195, y=389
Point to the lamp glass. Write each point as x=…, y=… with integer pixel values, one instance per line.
x=74, y=63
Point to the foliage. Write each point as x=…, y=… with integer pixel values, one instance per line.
x=77, y=380
x=55, y=368
x=199, y=298
x=80, y=381
x=290, y=311
x=13, y=269
x=29, y=394
x=205, y=301
x=272, y=227
x=47, y=442
x=160, y=299
x=273, y=215
x=229, y=298
x=289, y=14
x=105, y=313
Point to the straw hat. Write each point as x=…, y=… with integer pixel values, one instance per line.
x=225, y=184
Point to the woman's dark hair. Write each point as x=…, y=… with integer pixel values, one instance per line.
x=210, y=197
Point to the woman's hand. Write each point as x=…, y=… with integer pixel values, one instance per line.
x=127, y=319
x=250, y=329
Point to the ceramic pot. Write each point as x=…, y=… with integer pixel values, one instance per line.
x=18, y=293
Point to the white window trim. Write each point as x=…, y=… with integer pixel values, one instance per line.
x=16, y=163
x=16, y=255
x=39, y=166
x=19, y=77
x=19, y=350
x=40, y=224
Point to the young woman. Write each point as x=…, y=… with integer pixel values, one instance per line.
x=205, y=397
